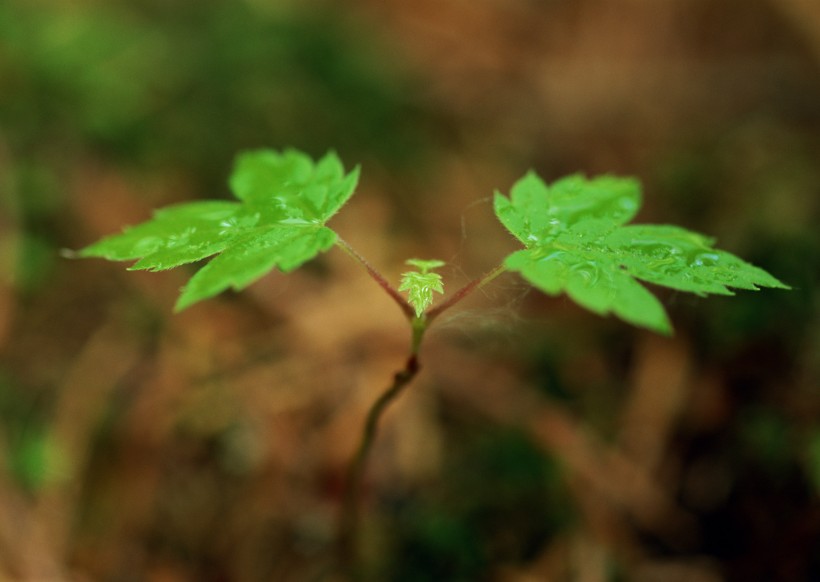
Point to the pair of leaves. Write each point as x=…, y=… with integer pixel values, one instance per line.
x=279, y=222
x=574, y=234
x=576, y=242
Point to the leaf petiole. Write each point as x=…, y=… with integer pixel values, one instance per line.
x=464, y=292
x=405, y=307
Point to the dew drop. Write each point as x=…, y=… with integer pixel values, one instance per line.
x=181, y=239
x=588, y=272
x=705, y=260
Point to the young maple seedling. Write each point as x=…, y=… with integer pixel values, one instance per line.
x=574, y=233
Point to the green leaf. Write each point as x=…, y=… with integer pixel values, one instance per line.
x=303, y=190
x=533, y=212
x=425, y=265
x=421, y=285
x=284, y=201
x=576, y=243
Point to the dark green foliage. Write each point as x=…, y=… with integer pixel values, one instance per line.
x=500, y=501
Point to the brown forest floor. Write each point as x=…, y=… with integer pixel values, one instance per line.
x=539, y=442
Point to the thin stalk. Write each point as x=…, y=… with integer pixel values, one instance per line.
x=350, y=519
x=464, y=292
x=349, y=547
x=406, y=308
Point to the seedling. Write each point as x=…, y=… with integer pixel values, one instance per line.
x=574, y=234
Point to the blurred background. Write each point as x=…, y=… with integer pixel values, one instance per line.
x=540, y=442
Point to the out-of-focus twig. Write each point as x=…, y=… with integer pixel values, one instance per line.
x=107, y=356
x=659, y=390
x=606, y=470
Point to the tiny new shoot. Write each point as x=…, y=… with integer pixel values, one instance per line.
x=574, y=236
x=420, y=286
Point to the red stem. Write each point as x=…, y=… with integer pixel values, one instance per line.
x=349, y=525
x=406, y=308
x=463, y=292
